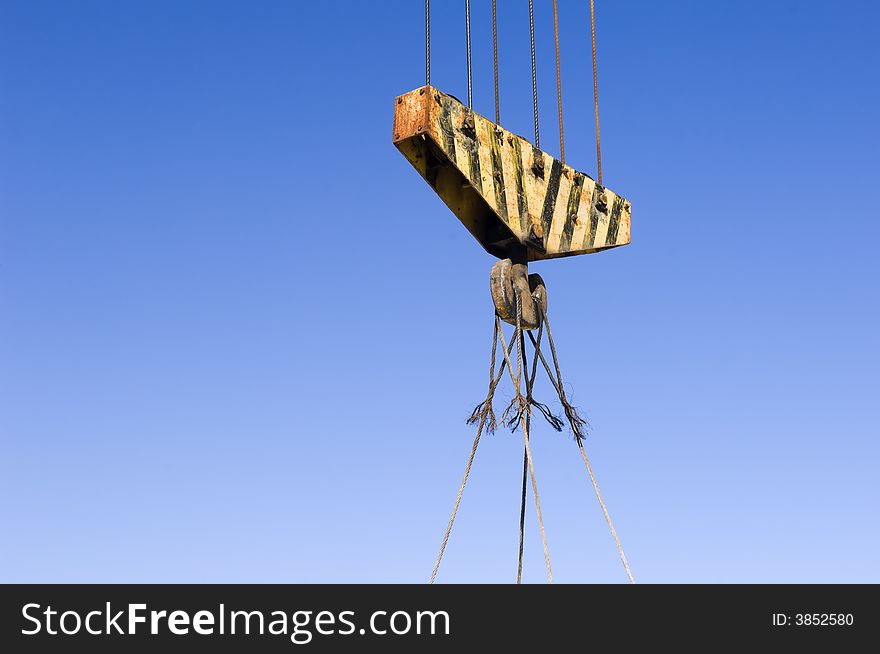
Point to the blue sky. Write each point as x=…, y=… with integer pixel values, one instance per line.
x=239, y=335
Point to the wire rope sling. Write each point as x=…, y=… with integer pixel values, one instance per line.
x=522, y=205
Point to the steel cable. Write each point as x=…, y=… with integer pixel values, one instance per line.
x=529, y=459
x=467, y=16
x=558, y=81
x=534, y=72
x=596, y=93
x=495, y=60
x=556, y=381
x=427, y=42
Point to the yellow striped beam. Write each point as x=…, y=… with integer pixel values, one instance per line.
x=516, y=200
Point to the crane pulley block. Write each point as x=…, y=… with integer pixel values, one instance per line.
x=516, y=200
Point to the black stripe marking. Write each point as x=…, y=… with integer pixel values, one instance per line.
x=550, y=199
x=524, y=220
x=614, y=223
x=498, y=174
x=472, y=145
x=574, y=200
x=589, y=240
x=448, y=133
x=537, y=162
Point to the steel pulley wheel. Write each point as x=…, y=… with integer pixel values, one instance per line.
x=506, y=281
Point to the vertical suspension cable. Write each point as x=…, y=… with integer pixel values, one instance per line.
x=522, y=502
x=495, y=60
x=596, y=93
x=558, y=82
x=427, y=42
x=524, y=411
x=534, y=71
x=530, y=384
x=515, y=378
x=467, y=17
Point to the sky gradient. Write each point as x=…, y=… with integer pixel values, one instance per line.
x=239, y=335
